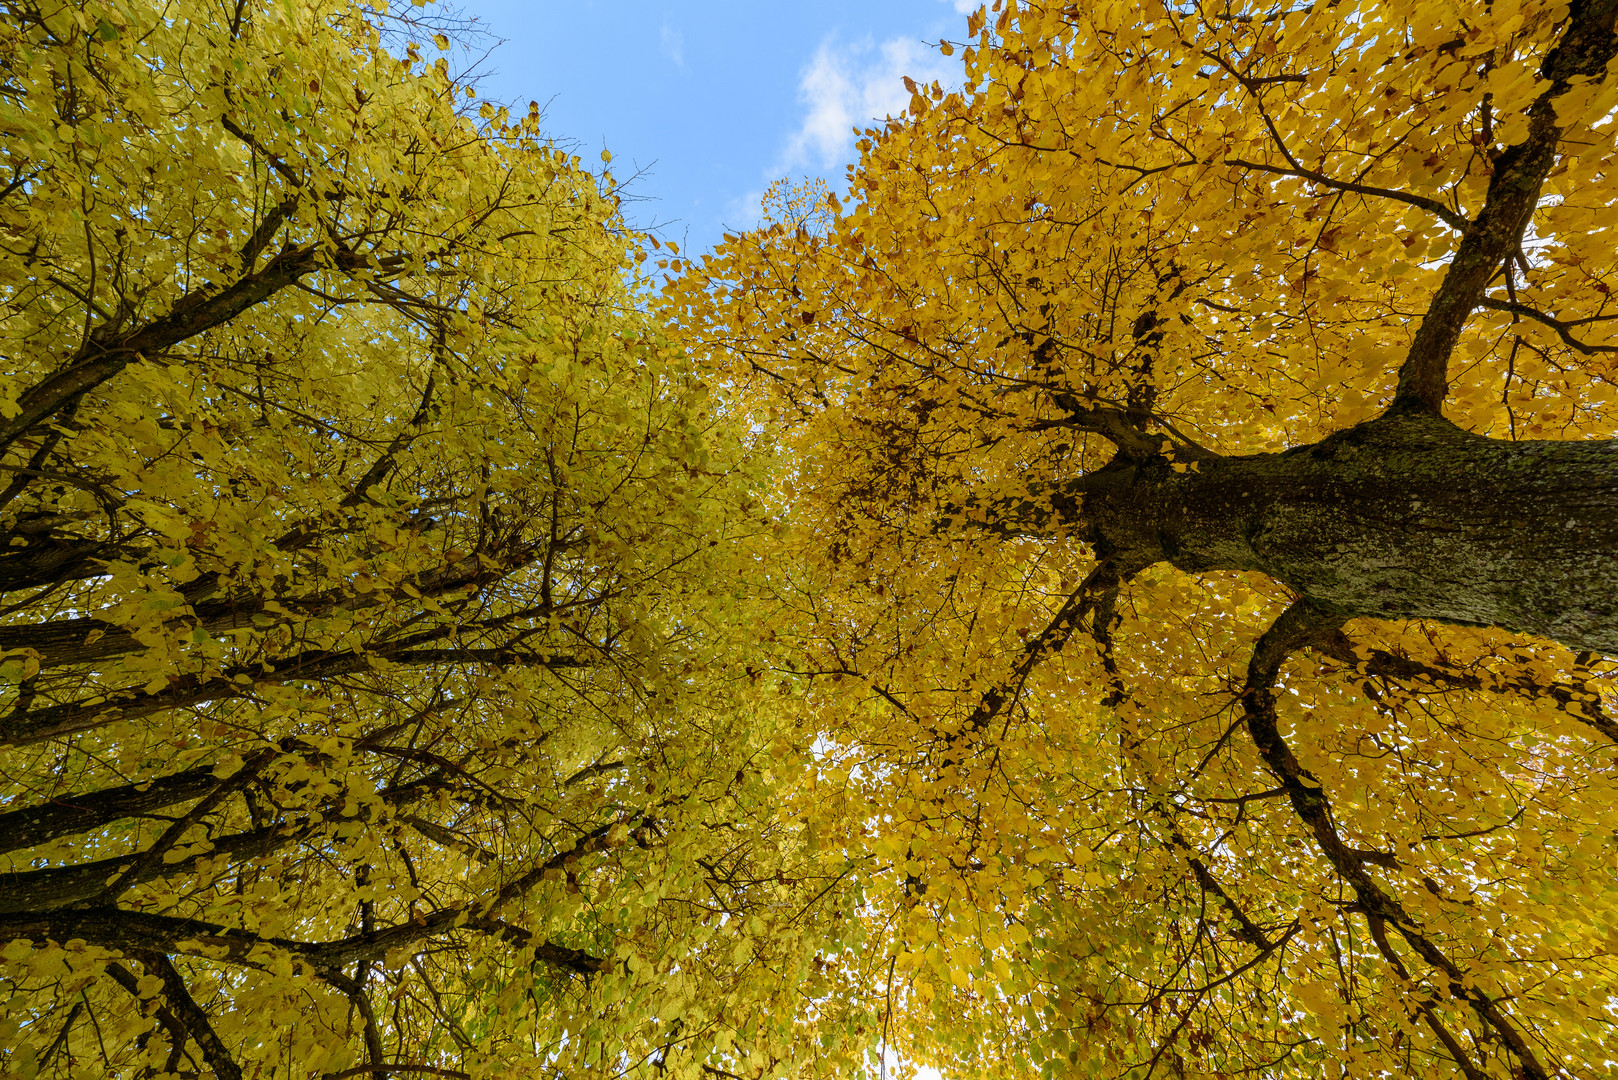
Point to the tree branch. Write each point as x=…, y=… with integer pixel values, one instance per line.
x=61, y=1036
x=1049, y=641
x=1576, y=700
x=1563, y=329
x=445, y=837
x=172, y=835
x=1379, y=935
x=1119, y=428
x=1432, y=206
x=58, y=886
x=74, y=717
x=1300, y=625
x=384, y=464
x=86, y=639
x=1247, y=929
x=178, y=1036
x=1495, y=234
x=354, y=990
x=1035, y=514
x=388, y=1070
x=188, y=1019
x=135, y=931
x=68, y=815
x=104, y=356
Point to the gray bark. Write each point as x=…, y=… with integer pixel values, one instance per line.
x=1403, y=517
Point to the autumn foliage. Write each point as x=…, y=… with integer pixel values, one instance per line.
x=1202, y=497
x=1126, y=588
x=374, y=707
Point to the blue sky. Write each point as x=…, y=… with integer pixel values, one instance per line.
x=715, y=98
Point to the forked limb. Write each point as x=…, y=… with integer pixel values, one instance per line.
x=1299, y=626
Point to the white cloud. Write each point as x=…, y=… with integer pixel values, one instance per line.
x=674, y=45
x=850, y=84
x=965, y=7
x=744, y=210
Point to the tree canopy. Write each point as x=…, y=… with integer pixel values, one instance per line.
x=1127, y=589
x=1203, y=515
x=377, y=626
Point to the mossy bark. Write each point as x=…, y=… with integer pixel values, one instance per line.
x=1403, y=517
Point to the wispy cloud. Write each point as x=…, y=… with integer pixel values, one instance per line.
x=850, y=84
x=743, y=210
x=673, y=45
x=965, y=7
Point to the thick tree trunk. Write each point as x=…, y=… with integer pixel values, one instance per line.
x=1403, y=517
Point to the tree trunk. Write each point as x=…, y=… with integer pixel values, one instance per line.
x=1403, y=517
